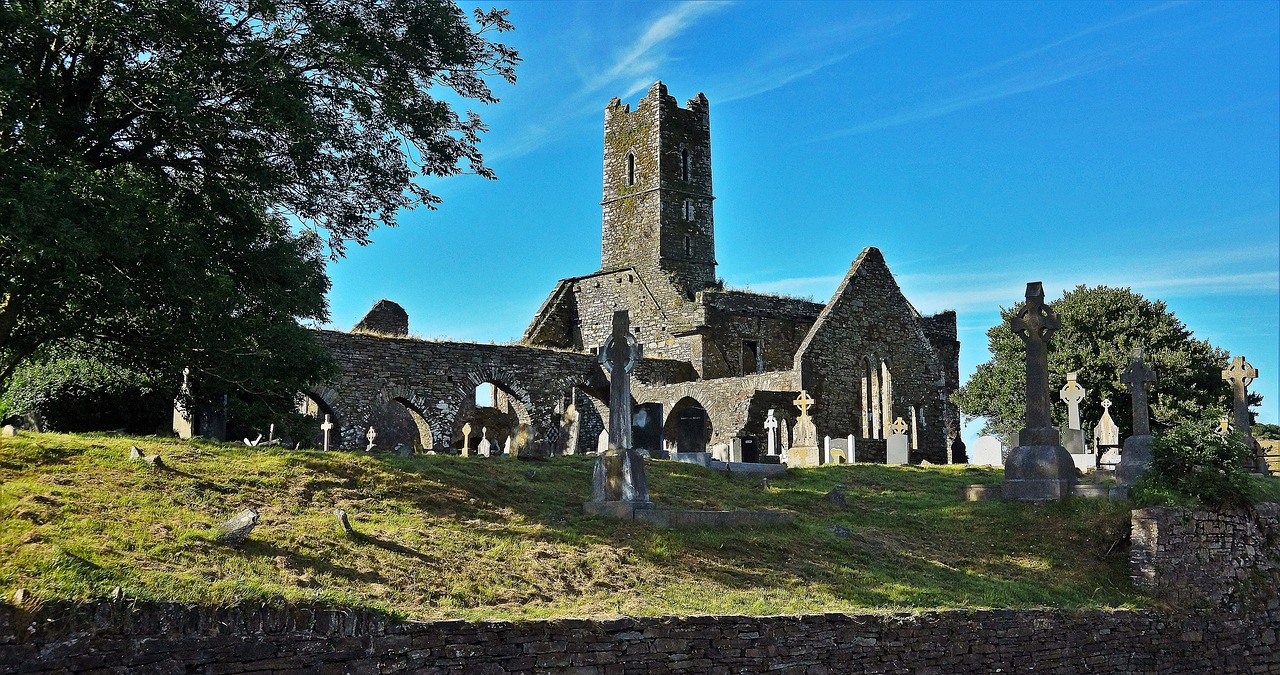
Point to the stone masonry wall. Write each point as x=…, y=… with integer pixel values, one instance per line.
x=777, y=325
x=869, y=318
x=1227, y=560
x=112, y=638
x=735, y=405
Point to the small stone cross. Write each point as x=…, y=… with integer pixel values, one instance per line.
x=371, y=434
x=771, y=428
x=1035, y=323
x=1138, y=377
x=326, y=427
x=1072, y=394
x=898, y=427
x=803, y=402
x=1240, y=374
x=466, y=439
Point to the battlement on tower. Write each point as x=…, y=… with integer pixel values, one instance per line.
x=658, y=99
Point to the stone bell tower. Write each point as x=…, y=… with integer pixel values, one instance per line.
x=657, y=190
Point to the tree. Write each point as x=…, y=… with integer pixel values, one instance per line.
x=173, y=173
x=1100, y=328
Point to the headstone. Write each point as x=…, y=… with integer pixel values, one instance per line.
x=1073, y=438
x=403, y=450
x=183, y=417
x=898, y=445
x=485, y=447
x=720, y=452
x=370, y=435
x=839, y=450
x=570, y=424
x=1106, y=434
x=8, y=431
x=507, y=447
x=255, y=442
x=526, y=444
x=343, y=521
x=735, y=449
x=771, y=430
x=602, y=442
x=326, y=428
x=619, y=476
x=466, y=439
x=236, y=530
x=987, y=452
x=852, y=449
x=1240, y=373
x=135, y=452
x=154, y=461
x=804, y=450
x=271, y=434
x=784, y=437
x=949, y=437
x=1038, y=468
x=1137, y=448
x=646, y=429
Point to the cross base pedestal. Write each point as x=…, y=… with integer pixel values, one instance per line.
x=1134, y=459
x=1035, y=473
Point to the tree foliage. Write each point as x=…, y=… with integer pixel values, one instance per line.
x=1100, y=328
x=174, y=173
x=1192, y=465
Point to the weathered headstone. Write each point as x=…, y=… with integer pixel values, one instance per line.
x=840, y=450
x=804, y=450
x=343, y=522
x=898, y=445
x=949, y=436
x=618, y=482
x=771, y=429
x=135, y=452
x=1137, y=448
x=370, y=435
x=8, y=431
x=646, y=429
x=403, y=450
x=1106, y=434
x=183, y=415
x=236, y=530
x=1038, y=468
x=1072, y=394
x=1240, y=373
x=987, y=452
x=326, y=428
x=485, y=447
x=466, y=439
x=570, y=423
x=735, y=449
x=602, y=442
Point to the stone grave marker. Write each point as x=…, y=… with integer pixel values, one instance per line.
x=1106, y=434
x=485, y=447
x=618, y=480
x=8, y=431
x=898, y=445
x=135, y=452
x=236, y=530
x=1073, y=437
x=343, y=522
x=326, y=428
x=466, y=439
x=840, y=450
x=771, y=430
x=602, y=442
x=987, y=452
x=1038, y=468
x=804, y=449
x=370, y=435
x=1137, y=448
x=1240, y=373
x=570, y=423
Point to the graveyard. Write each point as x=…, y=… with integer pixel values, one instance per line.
x=447, y=536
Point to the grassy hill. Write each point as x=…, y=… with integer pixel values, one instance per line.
x=444, y=536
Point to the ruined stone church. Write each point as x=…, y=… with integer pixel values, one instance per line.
x=714, y=362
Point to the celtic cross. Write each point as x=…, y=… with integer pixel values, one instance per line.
x=1035, y=323
x=1072, y=394
x=1240, y=374
x=1138, y=377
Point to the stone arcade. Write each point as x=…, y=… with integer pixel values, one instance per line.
x=714, y=361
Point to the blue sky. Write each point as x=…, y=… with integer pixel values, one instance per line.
x=979, y=146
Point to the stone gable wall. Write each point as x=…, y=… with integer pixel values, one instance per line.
x=1223, y=559
x=162, y=638
x=869, y=317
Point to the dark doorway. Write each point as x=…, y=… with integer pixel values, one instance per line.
x=646, y=428
x=689, y=426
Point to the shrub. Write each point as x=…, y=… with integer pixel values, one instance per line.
x=1192, y=465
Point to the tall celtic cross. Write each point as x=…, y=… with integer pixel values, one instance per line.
x=618, y=357
x=771, y=428
x=1035, y=323
x=1072, y=394
x=1240, y=374
x=1138, y=376
x=898, y=427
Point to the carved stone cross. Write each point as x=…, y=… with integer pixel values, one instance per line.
x=1035, y=323
x=898, y=427
x=1072, y=394
x=326, y=427
x=1240, y=374
x=803, y=402
x=1138, y=377
x=466, y=439
x=618, y=357
x=771, y=428
x=371, y=434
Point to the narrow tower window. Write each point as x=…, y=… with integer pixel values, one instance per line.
x=631, y=169
x=687, y=211
x=688, y=247
x=684, y=164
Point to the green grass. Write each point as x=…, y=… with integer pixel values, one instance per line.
x=444, y=536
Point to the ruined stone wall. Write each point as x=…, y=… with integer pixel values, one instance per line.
x=870, y=319
x=158, y=638
x=1224, y=559
x=732, y=318
x=436, y=381
x=735, y=405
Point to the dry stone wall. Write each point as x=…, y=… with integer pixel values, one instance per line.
x=1224, y=559
x=159, y=638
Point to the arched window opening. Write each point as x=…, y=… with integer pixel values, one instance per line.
x=687, y=209
x=688, y=246
x=684, y=164
x=631, y=169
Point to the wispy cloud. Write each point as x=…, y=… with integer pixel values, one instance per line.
x=644, y=58
x=1043, y=66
